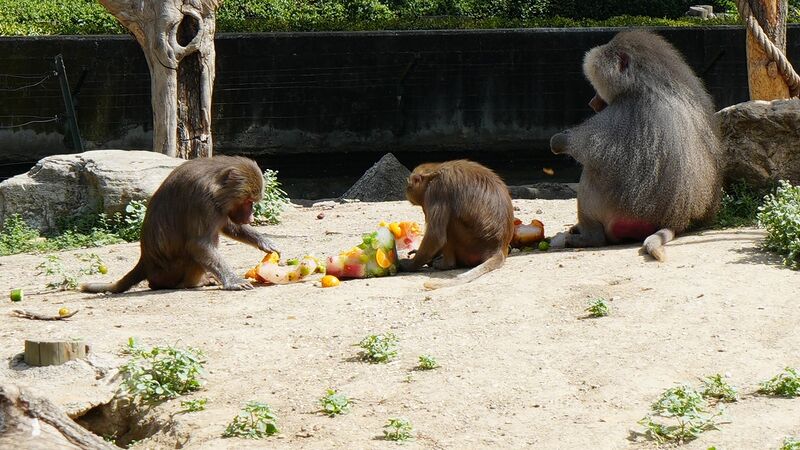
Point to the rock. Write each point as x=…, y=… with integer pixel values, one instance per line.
x=701, y=11
x=385, y=181
x=546, y=191
x=63, y=186
x=761, y=141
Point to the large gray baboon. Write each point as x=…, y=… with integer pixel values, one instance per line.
x=650, y=155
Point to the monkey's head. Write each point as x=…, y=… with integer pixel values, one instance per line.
x=633, y=62
x=418, y=182
x=241, y=186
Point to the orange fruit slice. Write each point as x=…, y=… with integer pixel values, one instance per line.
x=383, y=258
x=329, y=281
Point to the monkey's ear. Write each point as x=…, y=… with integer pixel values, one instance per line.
x=415, y=178
x=231, y=176
x=624, y=60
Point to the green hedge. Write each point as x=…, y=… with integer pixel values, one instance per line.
x=45, y=17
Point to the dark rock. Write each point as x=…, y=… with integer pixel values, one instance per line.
x=385, y=181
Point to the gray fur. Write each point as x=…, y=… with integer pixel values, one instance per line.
x=653, y=153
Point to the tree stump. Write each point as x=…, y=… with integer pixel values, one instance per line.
x=53, y=353
x=34, y=423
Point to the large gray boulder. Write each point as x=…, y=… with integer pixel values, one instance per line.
x=63, y=186
x=761, y=141
x=383, y=182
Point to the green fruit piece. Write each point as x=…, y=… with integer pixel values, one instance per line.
x=292, y=262
x=17, y=295
x=544, y=246
x=102, y=269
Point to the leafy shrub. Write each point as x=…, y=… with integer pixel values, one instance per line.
x=334, y=403
x=255, y=421
x=686, y=413
x=785, y=384
x=269, y=209
x=161, y=373
x=780, y=216
x=397, y=429
x=379, y=348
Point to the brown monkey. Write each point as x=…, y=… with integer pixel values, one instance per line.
x=199, y=200
x=650, y=155
x=469, y=219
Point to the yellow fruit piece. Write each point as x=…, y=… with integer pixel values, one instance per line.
x=63, y=312
x=384, y=259
x=271, y=258
x=102, y=269
x=394, y=227
x=329, y=281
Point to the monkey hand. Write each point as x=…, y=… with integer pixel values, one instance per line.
x=266, y=245
x=237, y=284
x=408, y=265
x=559, y=143
x=559, y=240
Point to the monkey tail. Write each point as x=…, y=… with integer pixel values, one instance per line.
x=494, y=262
x=133, y=277
x=654, y=244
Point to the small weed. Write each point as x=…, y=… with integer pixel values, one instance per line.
x=427, y=362
x=397, y=430
x=716, y=387
x=334, y=403
x=269, y=209
x=790, y=443
x=379, y=348
x=67, y=279
x=195, y=405
x=786, y=384
x=16, y=236
x=780, y=216
x=161, y=373
x=688, y=409
x=255, y=421
x=598, y=308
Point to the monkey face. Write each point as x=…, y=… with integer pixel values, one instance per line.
x=415, y=188
x=242, y=213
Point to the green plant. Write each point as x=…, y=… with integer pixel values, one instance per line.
x=785, y=384
x=397, y=430
x=780, y=216
x=739, y=206
x=16, y=236
x=255, y=421
x=379, y=348
x=195, y=405
x=714, y=386
x=129, y=225
x=334, y=403
x=67, y=279
x=689, y=412
x=161, y=373
x=268, y=210
x=427, y=362
x=790, y=443
x=598, y=308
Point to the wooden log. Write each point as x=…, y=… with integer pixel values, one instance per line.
x=53, y=353
x=764, y=79
x=35, y=423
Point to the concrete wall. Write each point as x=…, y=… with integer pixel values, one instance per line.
x=298, y=93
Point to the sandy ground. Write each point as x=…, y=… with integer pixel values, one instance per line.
x=521, y=367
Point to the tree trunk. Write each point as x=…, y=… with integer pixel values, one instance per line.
x=177, y=37
x=765, y=81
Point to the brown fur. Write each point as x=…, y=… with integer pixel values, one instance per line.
x=651, y=153
x=468, y=215
x=180, y=234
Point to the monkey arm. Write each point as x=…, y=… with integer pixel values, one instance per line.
x=433, y=240
x=248, y=235
x=208, y=257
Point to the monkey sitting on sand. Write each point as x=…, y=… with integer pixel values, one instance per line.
x=469, y=219
x=650, y=155
x=200, y=199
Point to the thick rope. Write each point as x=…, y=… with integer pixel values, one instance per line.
x=774, y=53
